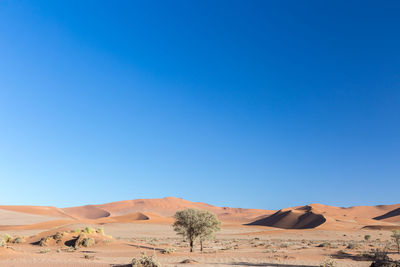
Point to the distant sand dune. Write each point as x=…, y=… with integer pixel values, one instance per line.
x=391, y=216
x=38, y=210
x=8, y=217
x=292, y=219
x=87, y=212
x=161, y=211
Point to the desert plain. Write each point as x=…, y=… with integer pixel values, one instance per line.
x=298, y=236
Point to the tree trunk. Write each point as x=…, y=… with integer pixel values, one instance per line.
x=191, y=245
x=201, y=245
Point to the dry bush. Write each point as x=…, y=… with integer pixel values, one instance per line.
x=145, y=261
x=100, y=230
x=328, y=262
x=168, y=251
x=84, y=241
x=7, y=238
x=89, y=230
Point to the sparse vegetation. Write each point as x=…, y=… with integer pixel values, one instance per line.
x=100, y=230
x=381, y=259
x=45, y=250
x=145, y=261
x=7, y=238
x=84, y=241
x=168, y=251
x=328, y=262
x=89, y=230
x=18, y=240
x=351, y=246
x=44, y=241
x=396, y=239
x=195, y=224
x=325, y=245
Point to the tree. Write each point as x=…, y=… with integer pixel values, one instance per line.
x=396, y=238
x=195, y=224
x=210, y=224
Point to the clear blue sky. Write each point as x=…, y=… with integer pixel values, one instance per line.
x=262, y=104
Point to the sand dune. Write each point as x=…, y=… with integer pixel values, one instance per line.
x=87, y=212
x=292, y=219
x=8, y=217
x=391, y=216
x=162, y=210
x=131, y=217
x=38, y=210
x=37, y=226
x=330, y=217
x=167, y=207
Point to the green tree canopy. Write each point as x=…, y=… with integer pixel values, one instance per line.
x=195, y=224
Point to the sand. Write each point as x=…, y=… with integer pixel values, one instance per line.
x=249, y=237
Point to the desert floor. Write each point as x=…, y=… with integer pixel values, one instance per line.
x=234, y=245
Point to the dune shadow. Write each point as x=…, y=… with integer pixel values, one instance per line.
x=70, y=243
x=145, y=247
x=357, y=257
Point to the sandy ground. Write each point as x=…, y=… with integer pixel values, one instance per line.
x=235, y=245
x=298, y=236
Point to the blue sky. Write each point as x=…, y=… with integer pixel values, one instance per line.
x=262, y=104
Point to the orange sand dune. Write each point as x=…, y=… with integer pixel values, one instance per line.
x=352, y=212
x=162, y=210
x=149, y=217
x=87, y=212
x=292, y=219
x=391, y=216
x=38, y=210
x=330, y=217
x=37, y=226
x=168, y=206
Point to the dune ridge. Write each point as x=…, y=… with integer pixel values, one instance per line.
x=391, y=216
x=292, y=219
x=161, y=211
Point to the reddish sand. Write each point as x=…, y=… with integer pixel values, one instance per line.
x=145, y=225
x=161, y=210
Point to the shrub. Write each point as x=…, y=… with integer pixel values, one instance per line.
x=284, y=245
x=18, y=240
x=325, y=245
x=381, y=259
x=168, y=251
x=58, y=237
x=145, y=261
x=396, y=239
x=7, y=238
x=351, y=246
x=84, y=241
x=88, y=242
x=42, y=251
x=367, y=237
x=328, y=262
x=100, y=230
x=89, y=230
x=44, y=241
